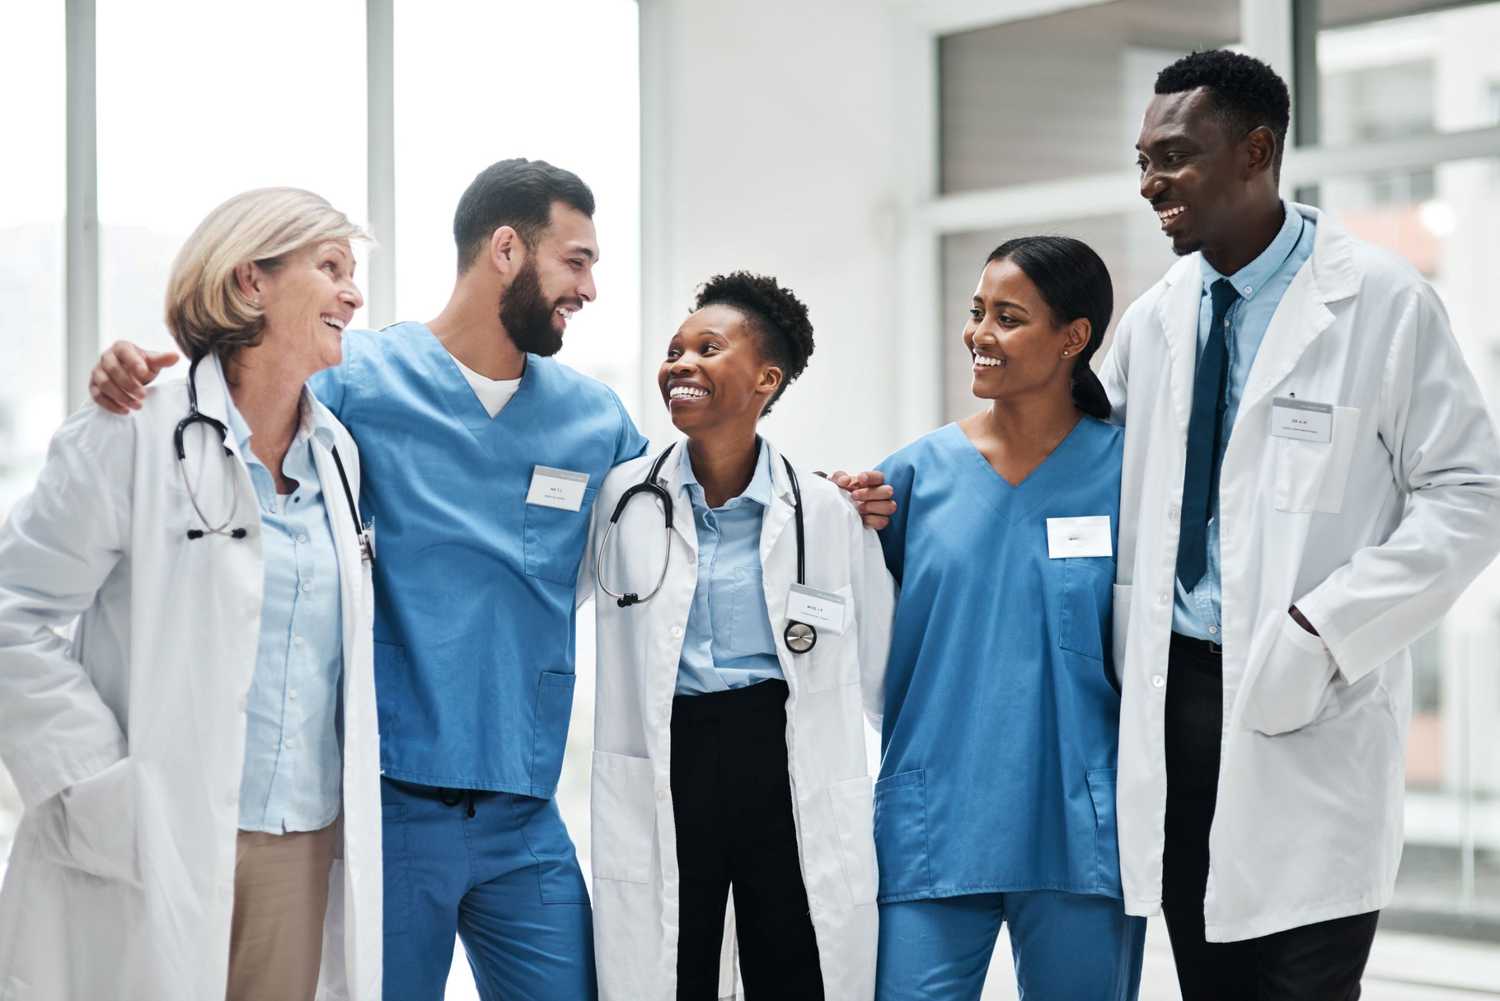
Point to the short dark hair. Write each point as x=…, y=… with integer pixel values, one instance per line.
x=777, y=316
x=1246, y=93
x=1074, y=282
x=518, y=193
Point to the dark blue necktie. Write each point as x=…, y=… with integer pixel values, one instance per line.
x=1200, y=483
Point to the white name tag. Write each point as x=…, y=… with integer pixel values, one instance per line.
x=821, y=609
x=1301, y=420
x=1072, y=537
x=559, y=488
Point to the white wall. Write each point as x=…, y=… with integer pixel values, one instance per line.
x=769, y=143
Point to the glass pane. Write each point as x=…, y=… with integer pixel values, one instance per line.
x=198, y=102
x=32, y=395
x=1404, y=76
x=1446, y=228
x=1131, y=245
x=1062, y=95
x=456, y=114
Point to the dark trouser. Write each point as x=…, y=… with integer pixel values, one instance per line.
x=1318, y=962
x=733, y=805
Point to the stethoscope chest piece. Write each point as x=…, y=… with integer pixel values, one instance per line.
x=800, y=637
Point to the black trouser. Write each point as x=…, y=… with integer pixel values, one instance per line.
x=1319, y=962
x=733, y=804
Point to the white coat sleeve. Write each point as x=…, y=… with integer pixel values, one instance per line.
x=1113, y=370
x=1446, y=459
x=874, y=604
x=57, y=548
x=583, y=589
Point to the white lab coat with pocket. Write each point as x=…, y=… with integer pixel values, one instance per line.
x=127, y=741
x=1372, y=535
x=634, y=851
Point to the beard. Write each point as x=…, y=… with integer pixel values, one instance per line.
x=527, y=315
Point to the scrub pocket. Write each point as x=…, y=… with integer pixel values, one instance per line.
x=1311, y=476
x=901, y=836
x=623, y=817
x=1106, y=837
x=559, y=878
x=1083, y=613
x=555, y=540
x=554, y=705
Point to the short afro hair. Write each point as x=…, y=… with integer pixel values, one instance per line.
x=1246, y=92
x=777, y=316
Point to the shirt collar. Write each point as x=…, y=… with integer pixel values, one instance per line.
x=1252, y=277
x=758, y=491
x=313, y=422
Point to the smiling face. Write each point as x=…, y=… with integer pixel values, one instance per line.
x=1194, y=173
x=307, y=302
x=714, y=374
x=1017, y=347
x=553, y=280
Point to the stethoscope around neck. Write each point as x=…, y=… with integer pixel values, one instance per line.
x=227, y=527
x=799, y=636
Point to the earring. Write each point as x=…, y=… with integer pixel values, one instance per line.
x=1066, y=353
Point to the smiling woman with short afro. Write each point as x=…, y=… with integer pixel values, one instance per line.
x=777, y=316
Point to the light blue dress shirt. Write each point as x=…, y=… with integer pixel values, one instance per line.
x=1261, y=284
x=292, y=779
x=728, y=641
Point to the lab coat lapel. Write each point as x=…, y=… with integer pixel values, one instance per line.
x=343, y=522
x=682, y=505
x=1177, y=316
x=1328, y=276
x=779, y=514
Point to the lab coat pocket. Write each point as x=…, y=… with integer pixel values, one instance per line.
x=1310, y=476
x=1119, y=629
x=623, y=814
x=1082, y=618
x=854, y=819
x=1106, y=841
x=901, y=835
x=555, y=539
x=1295, y=684
x=100, y=820
x=554, y=705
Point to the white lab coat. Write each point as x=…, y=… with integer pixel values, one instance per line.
x=126, y=743
x=634, y=851
x=1372, y=535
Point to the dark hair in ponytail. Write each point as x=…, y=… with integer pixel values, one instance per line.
x=1075, y=283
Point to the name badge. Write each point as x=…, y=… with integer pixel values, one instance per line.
x=1301, y=420
x=816, y=608
x=559, y=488
x=1073, y=537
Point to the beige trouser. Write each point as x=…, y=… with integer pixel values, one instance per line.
x=280, y=894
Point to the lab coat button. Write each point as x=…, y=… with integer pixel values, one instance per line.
x=1173, y=513
x=676, y=632
x=1164, y=597
x=662, y=794
x=1157, y=681
x=244, y=702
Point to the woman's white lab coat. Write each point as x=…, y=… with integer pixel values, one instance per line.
x=634, y=851
x=1372, y=534
x=126, y=743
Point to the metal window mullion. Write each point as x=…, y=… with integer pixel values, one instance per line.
x=81, y=232
x=380, y=156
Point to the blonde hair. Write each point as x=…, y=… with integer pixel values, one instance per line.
x=207, y=311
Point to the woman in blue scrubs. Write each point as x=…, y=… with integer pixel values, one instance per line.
x=996, y=797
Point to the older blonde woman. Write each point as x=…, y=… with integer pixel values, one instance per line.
x=199, y=763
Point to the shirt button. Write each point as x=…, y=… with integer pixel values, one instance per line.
x=299, y=642
x=302, y=539
x=291, y=743
x=292, y=695
x=1157, y=681
x=1213, y=630
x=306, y=586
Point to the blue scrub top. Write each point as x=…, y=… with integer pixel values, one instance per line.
x=474, y=587
x=998, y=743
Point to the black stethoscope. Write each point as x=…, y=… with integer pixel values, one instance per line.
x=799, y=636
x=194, y=416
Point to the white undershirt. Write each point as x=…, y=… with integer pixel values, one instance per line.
x=494, y=394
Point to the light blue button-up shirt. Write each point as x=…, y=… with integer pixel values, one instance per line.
x=293, y=765
x=1261, y=284
x=728, y=641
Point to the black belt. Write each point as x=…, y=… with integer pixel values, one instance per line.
x=1204, y=655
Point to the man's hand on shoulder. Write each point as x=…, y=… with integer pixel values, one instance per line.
x=871, y=495
x=118, y=382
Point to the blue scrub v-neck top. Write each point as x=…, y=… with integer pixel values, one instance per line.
x=474, y=587
x=1001, y=712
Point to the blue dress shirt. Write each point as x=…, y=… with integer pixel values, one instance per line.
x=1261, y=284
x=292, y=778
x=728, y=641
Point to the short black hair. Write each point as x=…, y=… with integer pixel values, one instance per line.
x=518, y=193
x=1246, y=92
x=777, y=316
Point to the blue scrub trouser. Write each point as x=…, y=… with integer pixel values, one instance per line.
x=498, y=870
x=1066, y=946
